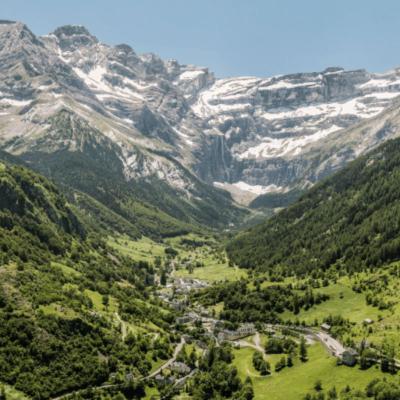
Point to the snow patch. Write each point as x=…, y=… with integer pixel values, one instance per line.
x=271, y=147
x=13, y=102
x=290, y=85
x=257, y=189
x=190, y=75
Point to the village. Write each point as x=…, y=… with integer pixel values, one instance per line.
x=199, y=326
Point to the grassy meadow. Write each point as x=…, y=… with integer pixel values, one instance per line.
x=294, y=382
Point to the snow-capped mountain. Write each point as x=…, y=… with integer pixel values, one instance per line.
x=180, y=125
x=268, y=126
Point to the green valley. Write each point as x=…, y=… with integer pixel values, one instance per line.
x=167, y=233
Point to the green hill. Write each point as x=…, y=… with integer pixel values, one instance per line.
x=67, y=300
x=34, y=217
x=350, y=220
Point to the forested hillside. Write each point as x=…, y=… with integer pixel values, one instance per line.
x=351, y=220
x=34, y=218
x=64, y=294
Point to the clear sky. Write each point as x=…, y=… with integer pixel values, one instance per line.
x=234, y=37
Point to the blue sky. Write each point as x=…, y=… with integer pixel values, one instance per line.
x=234, y=37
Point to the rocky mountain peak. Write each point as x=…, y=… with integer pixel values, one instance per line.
x=332, y=69
x=16, y=35
x=249, y=134
x=72, y=36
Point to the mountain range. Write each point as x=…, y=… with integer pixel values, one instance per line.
x=174, y=138
x=126, y=184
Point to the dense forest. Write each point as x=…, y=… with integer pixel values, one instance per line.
x=350, y=220
x=242, y=304
x=61, y=289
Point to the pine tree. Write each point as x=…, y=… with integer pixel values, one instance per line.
x=332, y=394
x=289, y=361
x=318, y=385
x=163, y=278
x=303, y=350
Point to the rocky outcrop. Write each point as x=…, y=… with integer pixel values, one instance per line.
x=273, y=134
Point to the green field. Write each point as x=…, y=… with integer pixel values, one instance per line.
x=58, y=310
x=213, y=272
x=213, y=262
x=97, y=301
x=67, y=271
x=343, y=301
x=143, y=249
x=295, y=382
x=151, y=392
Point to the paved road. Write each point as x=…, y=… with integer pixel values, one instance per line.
x=334, y=346
x=331, y=344
x=256, y=345
x=181, y=381
x=177, y=350
x=257, y=341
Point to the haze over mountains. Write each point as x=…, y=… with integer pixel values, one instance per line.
x=178, y=129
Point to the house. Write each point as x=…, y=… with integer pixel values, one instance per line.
x=180, y=368
x=164, y=380
x=129, y=377
x=242, y=331
x=246, y=330
x=193, y=316
x=349, y=357
x=183, y=320
x=368, y=321
x=189, y=317
x=226, y=335
x=204, y=312
x=269, y=330
x=187, y=338
x=215, y=324
x=325, y=327
x=202, y=345
x=177, y=305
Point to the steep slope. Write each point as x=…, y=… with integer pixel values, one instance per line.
x=99, y=131
x=350, y=221
x=80, y=157
x=34, y=217
x=63, y=294
x=178, y=127
x=267, y=126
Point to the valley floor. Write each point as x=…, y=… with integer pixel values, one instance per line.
x=296, y=381
x=193, y=262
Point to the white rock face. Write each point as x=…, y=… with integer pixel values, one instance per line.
x=250, y=134
x=284, y=114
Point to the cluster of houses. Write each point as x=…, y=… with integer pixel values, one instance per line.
x=185, y=285
x=177, y=371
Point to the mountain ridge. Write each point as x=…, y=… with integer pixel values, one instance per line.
x=250, y=136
